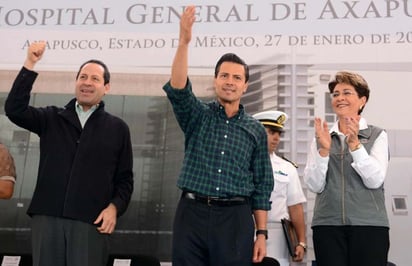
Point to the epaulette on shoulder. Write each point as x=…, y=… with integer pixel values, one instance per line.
x=293, y=163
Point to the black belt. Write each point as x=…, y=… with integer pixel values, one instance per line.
x=216, y=201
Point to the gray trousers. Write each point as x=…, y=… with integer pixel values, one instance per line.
x=65, y=242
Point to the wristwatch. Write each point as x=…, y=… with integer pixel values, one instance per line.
x=262, y=232
x=303, y=245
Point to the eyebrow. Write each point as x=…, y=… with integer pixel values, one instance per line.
x=90, y=75
x=343, y=90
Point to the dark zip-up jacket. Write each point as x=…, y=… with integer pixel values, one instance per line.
x=80, y=171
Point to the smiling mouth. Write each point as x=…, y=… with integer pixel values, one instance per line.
x=342, y=105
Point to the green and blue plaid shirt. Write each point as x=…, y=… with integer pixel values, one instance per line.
x=224, y=157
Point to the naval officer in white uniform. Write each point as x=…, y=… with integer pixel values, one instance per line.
x=287, y=197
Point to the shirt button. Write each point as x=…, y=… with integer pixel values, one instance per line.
x=225, y=136
x=218, y=188
x=222, y=152
x=219, y=171
x=227, y=122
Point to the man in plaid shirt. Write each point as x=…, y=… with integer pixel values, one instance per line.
x=226, y=176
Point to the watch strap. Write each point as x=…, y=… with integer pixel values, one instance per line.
x=303, y=245
x=262, y=232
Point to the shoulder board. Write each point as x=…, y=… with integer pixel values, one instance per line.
x=293, y=163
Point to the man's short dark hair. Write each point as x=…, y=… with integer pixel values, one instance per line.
x=106, y=73
x=233, y=58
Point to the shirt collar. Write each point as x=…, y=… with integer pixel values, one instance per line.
x=220, y=108
x=79, y=108
x=362, y=125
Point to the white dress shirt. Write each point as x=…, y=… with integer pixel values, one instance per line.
x=371, y=167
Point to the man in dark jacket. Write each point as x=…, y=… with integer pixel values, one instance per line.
x=85, y=177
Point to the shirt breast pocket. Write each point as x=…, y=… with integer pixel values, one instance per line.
x=281, y=181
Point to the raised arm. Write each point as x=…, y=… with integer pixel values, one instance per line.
x=180, y=61
x=34, y=54
x=17, y=105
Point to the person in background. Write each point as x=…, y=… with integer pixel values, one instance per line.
x=346, y=168
x=85, y=177
x=287, y=197
x=7, y=173
x=226, y=178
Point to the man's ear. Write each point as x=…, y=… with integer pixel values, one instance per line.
x=245, y=87
x=106, y=88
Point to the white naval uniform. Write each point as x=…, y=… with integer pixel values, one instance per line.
x=287, y=192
